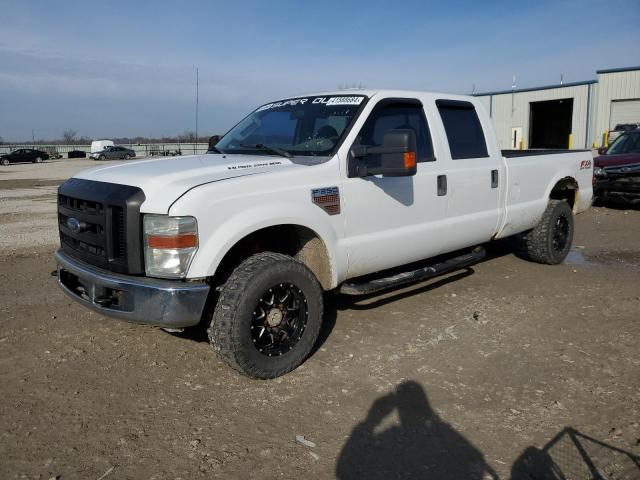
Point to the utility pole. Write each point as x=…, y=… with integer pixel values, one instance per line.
x=513, y=94
x=197, y=101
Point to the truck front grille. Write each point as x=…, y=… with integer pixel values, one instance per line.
x=100, y=223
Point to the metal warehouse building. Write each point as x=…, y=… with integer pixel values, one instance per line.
x=569, y=115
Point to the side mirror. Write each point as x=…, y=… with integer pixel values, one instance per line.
x=397, y=156
x=602, y=151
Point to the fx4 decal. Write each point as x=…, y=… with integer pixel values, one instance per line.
x=585, y=164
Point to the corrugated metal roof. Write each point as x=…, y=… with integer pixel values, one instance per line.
x=615, y=70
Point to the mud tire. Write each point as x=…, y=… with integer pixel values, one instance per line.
x=230, y=329
x=542, y=244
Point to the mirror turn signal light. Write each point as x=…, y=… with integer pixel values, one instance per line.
x=409, y=160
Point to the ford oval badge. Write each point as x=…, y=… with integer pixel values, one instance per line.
x=73, y=224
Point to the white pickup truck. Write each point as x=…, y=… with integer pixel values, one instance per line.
x=331, y=191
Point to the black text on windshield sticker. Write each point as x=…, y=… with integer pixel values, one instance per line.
x=327, y=101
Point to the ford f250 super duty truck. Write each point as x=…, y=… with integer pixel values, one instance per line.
x=331, y=191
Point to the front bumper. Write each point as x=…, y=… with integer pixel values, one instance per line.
x=149, y=301
x=624, y=187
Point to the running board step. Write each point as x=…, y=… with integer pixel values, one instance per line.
x=461, y=261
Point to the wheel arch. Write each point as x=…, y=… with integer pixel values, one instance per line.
x=565, y=188
x=294, y=239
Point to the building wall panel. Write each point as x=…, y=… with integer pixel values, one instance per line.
x=612, y=86
x=513, y=110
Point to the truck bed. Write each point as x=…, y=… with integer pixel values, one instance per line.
x=532, y=174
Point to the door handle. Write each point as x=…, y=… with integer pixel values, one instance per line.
x=442, y=185
x=494, y=178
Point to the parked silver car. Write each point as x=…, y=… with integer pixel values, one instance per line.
x=111, y=153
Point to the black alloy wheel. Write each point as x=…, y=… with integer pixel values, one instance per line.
x=279, y=319
x=560, y=234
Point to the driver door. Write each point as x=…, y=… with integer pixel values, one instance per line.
x=392, y=221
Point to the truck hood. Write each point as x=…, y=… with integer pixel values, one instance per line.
x=617, y=160
x=164, y=180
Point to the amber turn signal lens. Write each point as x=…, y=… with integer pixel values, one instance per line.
x=409, y=160
x=183, y=240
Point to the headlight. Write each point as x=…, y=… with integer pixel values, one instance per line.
x=599, y=172
x=169, y=245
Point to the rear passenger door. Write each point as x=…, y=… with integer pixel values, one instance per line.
x=391, y=221
x=474, y=176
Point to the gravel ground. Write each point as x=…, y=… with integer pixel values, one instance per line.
x=499, y=371
x=28, y=201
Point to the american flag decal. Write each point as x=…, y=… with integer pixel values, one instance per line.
x=327, y=199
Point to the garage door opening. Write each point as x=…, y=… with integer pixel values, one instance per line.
x=550, y=123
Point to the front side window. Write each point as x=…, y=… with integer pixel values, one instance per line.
x=463, y=129
x=311, y=126
x=396, y=115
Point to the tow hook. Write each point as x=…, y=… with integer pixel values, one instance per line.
x=104, y=301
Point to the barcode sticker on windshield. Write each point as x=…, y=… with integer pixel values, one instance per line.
x=345, y=101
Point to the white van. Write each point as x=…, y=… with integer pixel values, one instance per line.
x=99, y=145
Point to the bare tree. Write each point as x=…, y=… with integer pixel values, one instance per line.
x=69, y=136
x=187, y=137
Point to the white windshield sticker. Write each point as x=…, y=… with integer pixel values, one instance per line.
x=345, y=101
x=326, y=101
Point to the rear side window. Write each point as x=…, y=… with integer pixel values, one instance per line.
x=393, y=116
x=464, y=132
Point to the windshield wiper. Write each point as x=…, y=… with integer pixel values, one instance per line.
x=267, y=148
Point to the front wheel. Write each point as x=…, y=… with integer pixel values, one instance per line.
x=268, y=316
x=550, y=240
x=102, y=157
x=127, y=156
x=38, y=160
x=4, y=162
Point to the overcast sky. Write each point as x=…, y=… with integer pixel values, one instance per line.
x=123, y=68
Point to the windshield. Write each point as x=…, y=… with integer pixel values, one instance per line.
x=629, y=143
x=299, y=126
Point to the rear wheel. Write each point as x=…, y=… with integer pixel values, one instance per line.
x=4, y=162
x=268, y=316
x=550, y=240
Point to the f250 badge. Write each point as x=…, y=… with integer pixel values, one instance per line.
x=585, y=164
x=327, y=198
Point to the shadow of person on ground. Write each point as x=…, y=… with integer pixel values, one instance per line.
x=422, y=446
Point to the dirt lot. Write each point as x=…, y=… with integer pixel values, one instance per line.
x=502, y=370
